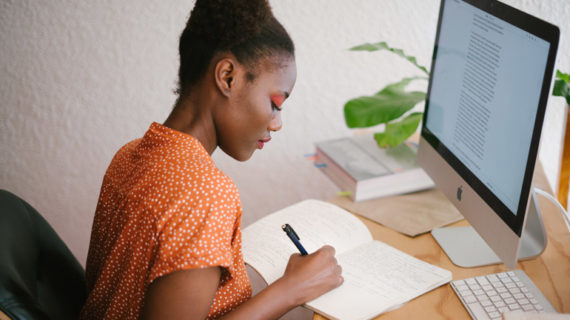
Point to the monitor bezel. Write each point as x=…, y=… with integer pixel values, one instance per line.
x=538, y=28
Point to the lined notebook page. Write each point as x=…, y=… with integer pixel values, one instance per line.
x=377, y=278
x=266, y=248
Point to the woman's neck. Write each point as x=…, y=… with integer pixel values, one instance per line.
x=192, y=115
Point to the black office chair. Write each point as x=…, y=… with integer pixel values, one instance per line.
x=39, y=277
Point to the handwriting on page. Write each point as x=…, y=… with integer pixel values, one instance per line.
x=316, y=223
x=388, y=272
x=378, y=277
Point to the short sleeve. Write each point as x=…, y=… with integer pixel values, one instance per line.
x=198, y=238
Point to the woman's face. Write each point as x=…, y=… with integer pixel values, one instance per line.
x=255, y=108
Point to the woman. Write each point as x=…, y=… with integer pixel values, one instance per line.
x=166, y=239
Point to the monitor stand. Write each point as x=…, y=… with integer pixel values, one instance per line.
x=455, y=240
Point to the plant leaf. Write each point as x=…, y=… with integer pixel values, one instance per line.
x=384, y=46
x=561, y=90
x=388, y=104
x=398, y=86
x=398, y=132
x=563, y=76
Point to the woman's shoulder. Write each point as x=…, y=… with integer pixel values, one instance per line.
x=193, y=171
x=212, y=179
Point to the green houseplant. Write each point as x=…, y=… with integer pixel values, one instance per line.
x=390, y=105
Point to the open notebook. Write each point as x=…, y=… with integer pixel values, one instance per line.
x=377, y=277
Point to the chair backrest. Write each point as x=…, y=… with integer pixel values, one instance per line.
x=39, y=276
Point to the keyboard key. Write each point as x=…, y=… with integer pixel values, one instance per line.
x=518, y=295
x=519, y=284
x=510, y=285
x=523, y=302
x=538, y=307
x=494, y=314
x=533, y=301
x=514, y=290
x=501, y=290
x=486, y=303
x=496, y=298
x=529, y=295
x=478, y=311
x=524, y=290
x=510, y=301
x=462, y=287
x=528, y=307
x=492, y=278
x=491, y=293
x=490, y=309
x=501, y=275
x=470, y=281
x=470, y=299
x=500, y=304
x=464, y=293
x=514, y=306
x=506, y=295
x=478, y=292
x=487, y=287
x=475, y=287
x=510, y=273
x=482, y=281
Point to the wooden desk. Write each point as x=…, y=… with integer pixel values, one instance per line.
x=550, y=271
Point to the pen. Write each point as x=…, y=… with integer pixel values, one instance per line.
x=294, y=237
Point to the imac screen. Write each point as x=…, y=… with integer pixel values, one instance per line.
x=481, y=111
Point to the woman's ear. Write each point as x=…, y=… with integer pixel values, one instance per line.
x=225, y=74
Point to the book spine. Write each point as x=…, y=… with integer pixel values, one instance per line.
x=332, y=170
x=400, y=183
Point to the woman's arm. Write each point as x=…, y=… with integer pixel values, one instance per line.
x=306, y=278
x=188, y=294
x=185, y=294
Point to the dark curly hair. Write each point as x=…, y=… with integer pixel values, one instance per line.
x=245, y=28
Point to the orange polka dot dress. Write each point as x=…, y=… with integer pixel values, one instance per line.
x=164, y=206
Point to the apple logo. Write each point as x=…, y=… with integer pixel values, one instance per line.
x=459, y=192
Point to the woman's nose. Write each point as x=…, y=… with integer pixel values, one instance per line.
x=275, y=124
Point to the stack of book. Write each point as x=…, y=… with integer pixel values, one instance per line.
x=365, y=171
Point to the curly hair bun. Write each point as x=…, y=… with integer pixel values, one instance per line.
x=228, y=22
x=245, y=28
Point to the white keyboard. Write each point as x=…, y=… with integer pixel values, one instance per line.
x=487, y=297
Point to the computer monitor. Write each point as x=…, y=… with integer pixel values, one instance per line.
x=491, y=77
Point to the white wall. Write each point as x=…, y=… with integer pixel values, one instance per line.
x=78, y=79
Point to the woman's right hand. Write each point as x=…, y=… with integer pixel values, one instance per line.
x=310, y=276
x=306, y=278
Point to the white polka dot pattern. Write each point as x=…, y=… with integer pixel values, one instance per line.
x=164, y=206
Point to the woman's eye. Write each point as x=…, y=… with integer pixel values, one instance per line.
x=275, y=107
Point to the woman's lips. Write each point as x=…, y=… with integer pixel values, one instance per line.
x=260, y=143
